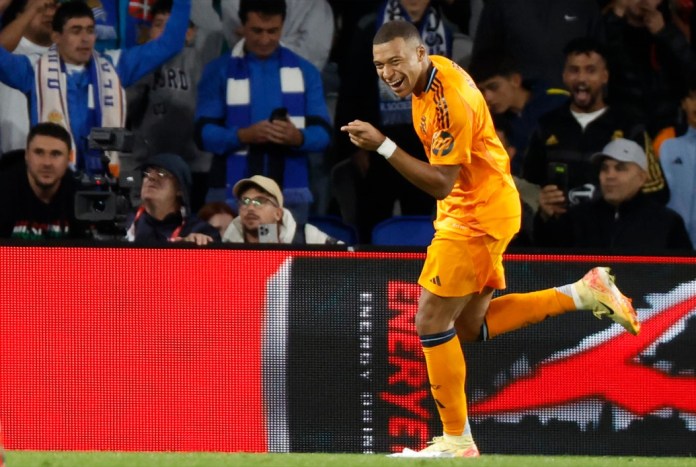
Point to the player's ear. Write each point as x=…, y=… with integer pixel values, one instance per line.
x=420, y=51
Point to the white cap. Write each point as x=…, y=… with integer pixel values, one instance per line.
x=623, y=150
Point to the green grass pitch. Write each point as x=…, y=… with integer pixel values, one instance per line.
x=118, y=459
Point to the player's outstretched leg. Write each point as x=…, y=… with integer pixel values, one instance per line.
x=597, y=292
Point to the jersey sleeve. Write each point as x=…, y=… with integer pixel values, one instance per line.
x=454, y=119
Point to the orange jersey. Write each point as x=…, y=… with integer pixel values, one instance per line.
x=453, y=123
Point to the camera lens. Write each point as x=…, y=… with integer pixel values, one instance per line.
x=99, y=205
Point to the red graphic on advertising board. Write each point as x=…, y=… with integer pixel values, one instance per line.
x=99, y=353
x=408, y=381
x=608, y=370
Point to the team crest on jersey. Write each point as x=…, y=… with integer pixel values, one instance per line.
x=55, y=117
x=443, y=143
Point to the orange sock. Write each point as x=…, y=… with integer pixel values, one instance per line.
x=447, y=372
x=515, y=311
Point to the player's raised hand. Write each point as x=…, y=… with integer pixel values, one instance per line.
x=364, y=135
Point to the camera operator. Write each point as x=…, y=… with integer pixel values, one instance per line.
x=37, y=195
x=164, y=214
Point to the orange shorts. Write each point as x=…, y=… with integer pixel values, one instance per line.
x=456, y=267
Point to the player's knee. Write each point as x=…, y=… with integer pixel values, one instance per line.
x=469, y=330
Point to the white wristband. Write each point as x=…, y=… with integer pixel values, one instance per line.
x=387, y=148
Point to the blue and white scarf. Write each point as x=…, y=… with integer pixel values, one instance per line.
x=239, y=101
x=106, y=102
x=437, y=38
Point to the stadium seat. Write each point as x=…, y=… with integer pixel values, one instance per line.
x=404, y=231
x=334, y=226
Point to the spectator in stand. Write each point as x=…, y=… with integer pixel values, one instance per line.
x=308, y=28
x=518, y=101
x=363, y=96
x=161, y=107
x=261, y=110
x=262, y=218
x=165, y=213
x=623, y=219
x=534, y=33
x=648, y=59
x=59, y=85
x=218, y=214
x=26, y=30
x=678, y=160
x=37, y=196
x=570, y=134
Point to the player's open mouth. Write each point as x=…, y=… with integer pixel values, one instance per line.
x=396, y=84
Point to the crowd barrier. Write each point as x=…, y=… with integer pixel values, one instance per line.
x=182, y=349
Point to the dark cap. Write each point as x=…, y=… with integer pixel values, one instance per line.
x=175, y=165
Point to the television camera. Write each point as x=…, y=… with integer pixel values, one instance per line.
x=103, y=200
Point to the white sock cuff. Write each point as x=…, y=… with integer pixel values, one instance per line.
x=571, y=291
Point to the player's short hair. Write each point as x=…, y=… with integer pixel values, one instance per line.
x=397, y=29
x=262, y=7
x=50, y=129
x=69, y=10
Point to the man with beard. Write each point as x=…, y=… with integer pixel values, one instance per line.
x=567, y=137
x=37, y=197
x=263, y=219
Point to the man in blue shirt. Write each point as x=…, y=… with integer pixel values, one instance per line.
x=678, y=160
x=235, y=117
x=76, y=87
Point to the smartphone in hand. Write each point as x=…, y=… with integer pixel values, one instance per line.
x=557, y=174
x=268, y=233
x=280, y=113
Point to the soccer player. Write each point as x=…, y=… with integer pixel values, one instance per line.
x=478, y=212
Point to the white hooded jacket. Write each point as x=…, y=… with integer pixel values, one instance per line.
x=286, y=232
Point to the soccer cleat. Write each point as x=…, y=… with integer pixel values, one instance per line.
x=450, y=446
x=445, y=446
x=597, y=292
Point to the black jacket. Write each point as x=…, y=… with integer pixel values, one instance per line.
x=640, y=226
x=147, y=229
x=23, y=215
x=560, y=138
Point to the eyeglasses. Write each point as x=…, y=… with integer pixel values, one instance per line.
x=156, y=174
x=256, y=202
